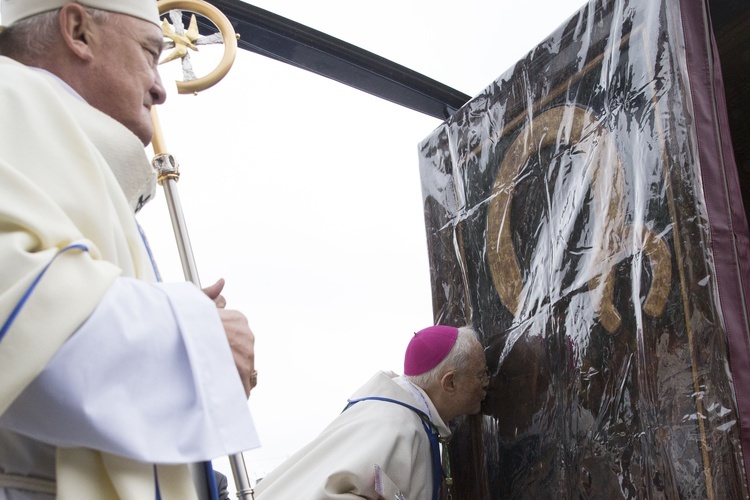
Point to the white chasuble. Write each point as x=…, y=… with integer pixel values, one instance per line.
x=67, y=236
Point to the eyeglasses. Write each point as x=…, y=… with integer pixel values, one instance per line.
x=484, y=376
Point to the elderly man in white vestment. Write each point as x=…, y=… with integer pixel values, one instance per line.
x=385, y=444
x=111, y=382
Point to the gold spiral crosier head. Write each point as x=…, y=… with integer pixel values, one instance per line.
x=186, y=41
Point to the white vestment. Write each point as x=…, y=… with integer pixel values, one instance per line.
x=104, y=373
x=375, y=449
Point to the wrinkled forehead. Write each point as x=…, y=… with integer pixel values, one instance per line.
x=478, y=355
x=126, y=29
x=12, y=11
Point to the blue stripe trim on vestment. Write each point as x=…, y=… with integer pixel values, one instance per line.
x=30, y=290
x=213, y=489
x=432, y=435
x=156, y=484
x=148, y=251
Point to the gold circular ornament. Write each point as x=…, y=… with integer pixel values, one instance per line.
x=185, y=41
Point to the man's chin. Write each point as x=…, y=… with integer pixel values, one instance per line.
x=145, y=129
x=145, y=135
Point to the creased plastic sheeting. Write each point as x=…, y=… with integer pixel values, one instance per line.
x=566, y=220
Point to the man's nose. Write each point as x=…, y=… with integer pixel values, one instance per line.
x=158, y=94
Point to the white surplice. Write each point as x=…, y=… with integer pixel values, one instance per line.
x=106, y=370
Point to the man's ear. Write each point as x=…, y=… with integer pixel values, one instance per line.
x=75, y=29
x=448, y=381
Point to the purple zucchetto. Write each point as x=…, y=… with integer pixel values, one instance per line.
x=428, y=348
